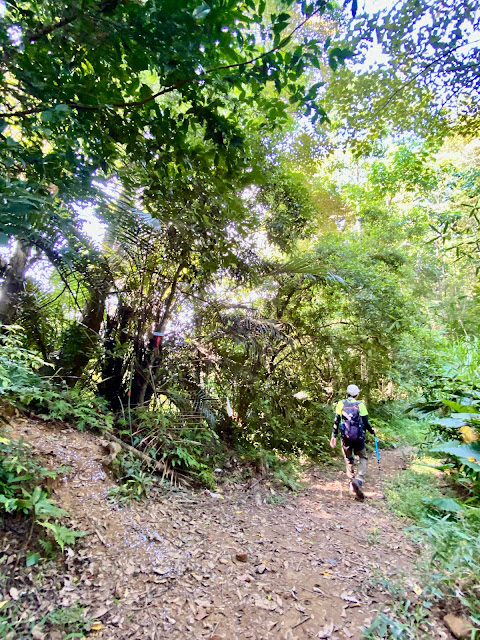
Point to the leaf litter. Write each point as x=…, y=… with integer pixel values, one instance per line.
x=190, y=565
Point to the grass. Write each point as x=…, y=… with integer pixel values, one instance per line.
x=402, y=620
x=406, y=491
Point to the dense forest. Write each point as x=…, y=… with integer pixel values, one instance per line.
x=214, y=216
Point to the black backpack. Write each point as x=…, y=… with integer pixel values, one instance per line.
x=351, y=428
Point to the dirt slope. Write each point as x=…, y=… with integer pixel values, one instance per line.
x=169, y=568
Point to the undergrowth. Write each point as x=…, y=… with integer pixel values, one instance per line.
x=395, y=429
x=69, y=621
x=404, y=618
x=432, y=495
x=22, y=386
x=134, y=483
x=281, y=469
x=23, y=493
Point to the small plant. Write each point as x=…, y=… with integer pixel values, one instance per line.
x=71, y=622
x=373, y=537
x=403, y=620
x=67, y=619
x=453, y=561
x=287, y=477
x=406, y=491
x=134, y=482
x=19, y=473
x=276, y=498
x=63, y=535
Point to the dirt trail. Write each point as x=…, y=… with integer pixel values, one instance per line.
x=173, y=567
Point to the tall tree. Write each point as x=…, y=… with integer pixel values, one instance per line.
x=415, y=70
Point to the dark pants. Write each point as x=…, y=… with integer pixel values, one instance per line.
x=349, y=453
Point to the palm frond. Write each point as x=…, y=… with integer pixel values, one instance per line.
x=244, y=326
x=305, y=266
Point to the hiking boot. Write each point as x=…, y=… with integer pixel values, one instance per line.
x=357, y=487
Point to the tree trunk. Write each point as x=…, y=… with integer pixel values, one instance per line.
x=81, y=340
x=13, y=285
x=142, y=384
x=116, y=334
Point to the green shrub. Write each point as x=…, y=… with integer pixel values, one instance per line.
x=465, y=464
x=23, y=386
x=403, y=620
x=19, y=475
x=72, y=621
x=453, y=563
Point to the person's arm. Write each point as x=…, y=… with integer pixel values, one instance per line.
x=336, y=425
x=364, y=416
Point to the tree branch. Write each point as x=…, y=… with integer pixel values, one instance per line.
x=106, y=6
x=138, y=103
x=417, y=75
x=33, y=36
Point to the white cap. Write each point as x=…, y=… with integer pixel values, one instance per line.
x=353, y=390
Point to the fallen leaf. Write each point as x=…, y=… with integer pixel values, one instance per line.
x=14, y=593
x=327, y=631
x=3, y=603
x=96, y=626
x=201, y=615
x=37, y=633
x=245, y=578
x=347, y=598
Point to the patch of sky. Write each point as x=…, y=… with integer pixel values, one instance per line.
x=91, y=226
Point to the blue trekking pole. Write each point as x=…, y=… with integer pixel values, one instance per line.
x=379, y=465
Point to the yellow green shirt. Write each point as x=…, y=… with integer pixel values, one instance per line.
x=361, y=407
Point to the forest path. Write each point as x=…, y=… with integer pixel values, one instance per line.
x=196, y=566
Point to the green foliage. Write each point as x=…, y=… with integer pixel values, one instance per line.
x=461, y=360
x=281, y=469
x=63, y=535
x=134, y=482
x=406, y=493
x=21, y=491
x=446, y=526
x=71, y=622
x=453, y=563
x=19, y=473
x=465, y=470
x=404, y=620
x=22, y=386
x=427, y=94
x=394, y=428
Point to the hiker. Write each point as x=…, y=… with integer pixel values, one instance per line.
x=352, y=418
